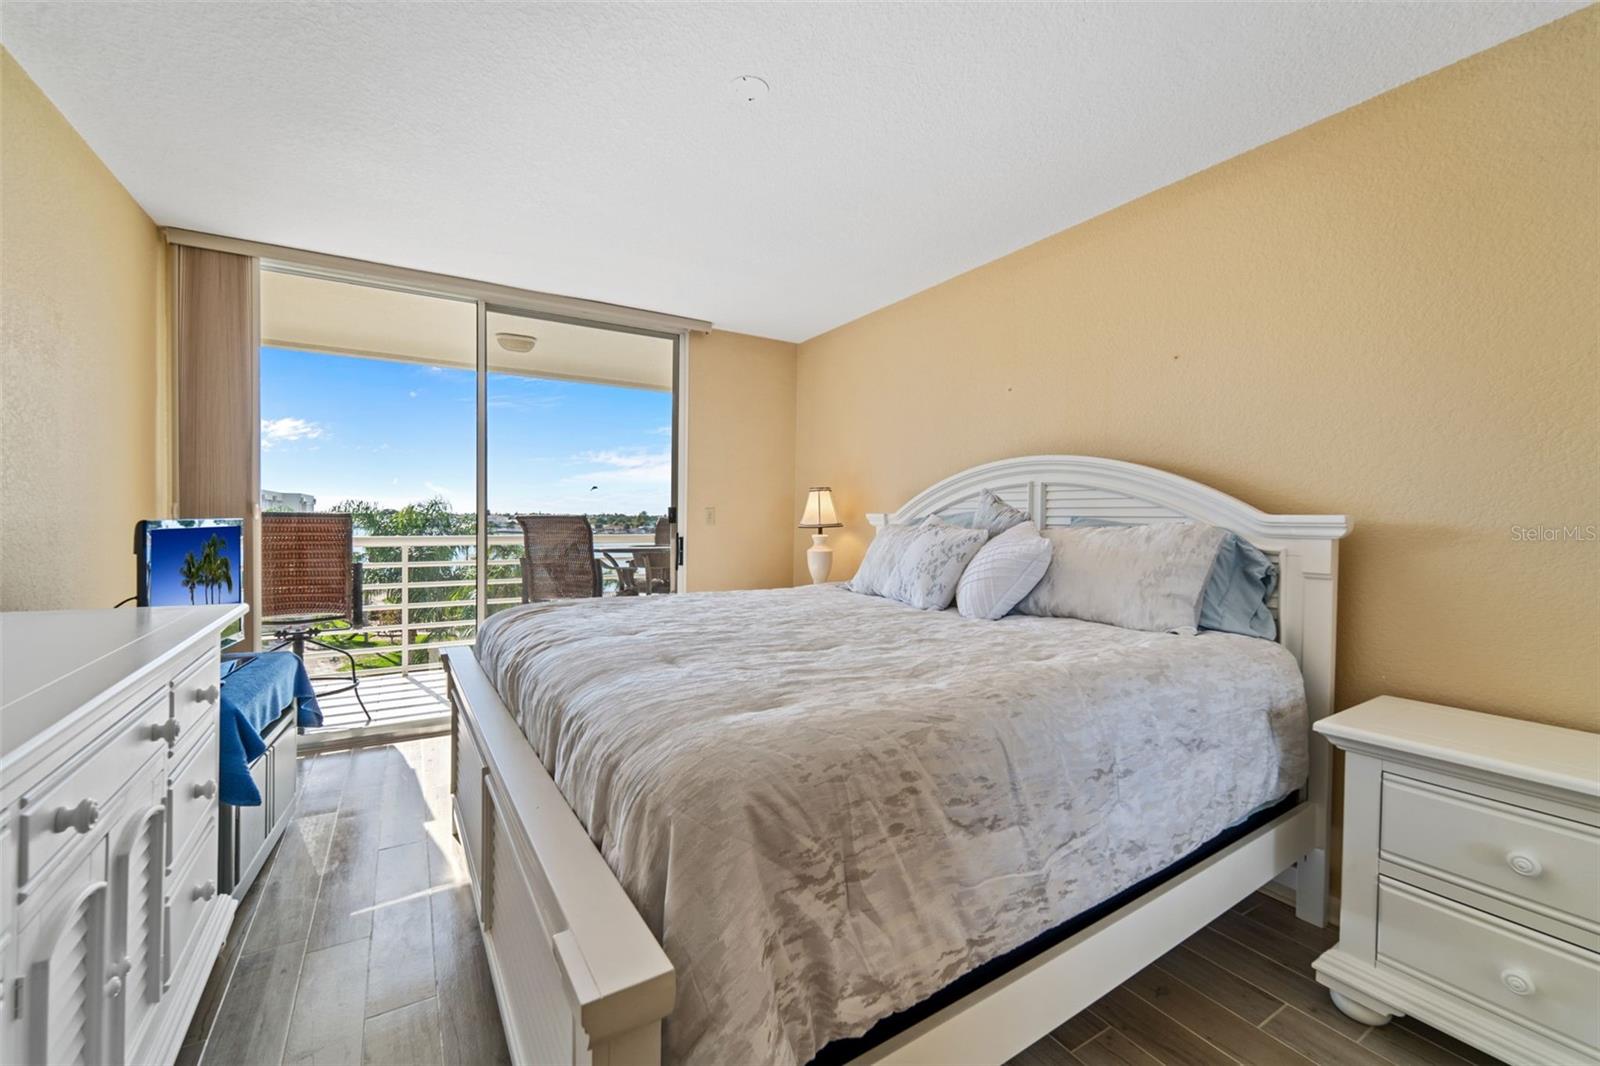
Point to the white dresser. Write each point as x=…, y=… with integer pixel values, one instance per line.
x=1470, y=894
x=110, y=918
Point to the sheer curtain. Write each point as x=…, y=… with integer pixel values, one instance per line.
x=216, y=337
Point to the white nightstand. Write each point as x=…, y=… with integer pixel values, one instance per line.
x=1470, y=895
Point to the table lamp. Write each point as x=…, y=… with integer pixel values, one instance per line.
x=819, y=515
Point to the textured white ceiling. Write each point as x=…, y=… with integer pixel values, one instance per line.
x=598, y=150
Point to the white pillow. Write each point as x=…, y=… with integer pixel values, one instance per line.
x=931, y=567
x=1003, y=572
x=874, y=575
x=996, y=515
x=1137, y=577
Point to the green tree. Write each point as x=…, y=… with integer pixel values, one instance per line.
x=452, y=563
x=214, y=568
x=191, y=573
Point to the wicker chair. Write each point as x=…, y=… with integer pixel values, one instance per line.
x=308, y=576
x=559, y=562
x=658, y=564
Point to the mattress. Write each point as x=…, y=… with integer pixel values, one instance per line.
x=828, y=807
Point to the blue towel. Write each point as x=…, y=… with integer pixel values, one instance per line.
x=256, y=687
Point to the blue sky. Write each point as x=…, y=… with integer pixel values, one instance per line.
x=343, y=427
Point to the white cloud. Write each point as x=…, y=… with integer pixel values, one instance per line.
x=278, y=430
x=616, y=480
x=629, y=460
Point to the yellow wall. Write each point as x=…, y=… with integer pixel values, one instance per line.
x=1390, y=314
x=81, y=412
x=741, y=462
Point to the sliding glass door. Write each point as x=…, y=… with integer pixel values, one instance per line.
x=579, y=432
x=451, y=432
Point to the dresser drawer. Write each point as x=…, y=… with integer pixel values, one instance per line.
x=67, y=806
x=194, y=888
x=1527, y=977
x=1535, y=860
x=194, y=697
x=193, y=796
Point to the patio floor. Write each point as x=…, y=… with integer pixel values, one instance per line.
x=397, y=701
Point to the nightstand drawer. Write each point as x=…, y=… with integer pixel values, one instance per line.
x=1529, y=978
x=1547, y=864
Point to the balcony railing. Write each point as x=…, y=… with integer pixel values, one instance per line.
x=419, y=596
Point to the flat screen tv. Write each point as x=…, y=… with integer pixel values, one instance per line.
x=186, y=562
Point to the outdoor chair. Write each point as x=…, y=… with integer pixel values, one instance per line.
x=559, y=561
x=309, y=577
x=658, y=563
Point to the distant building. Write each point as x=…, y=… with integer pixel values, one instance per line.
x=298, y=502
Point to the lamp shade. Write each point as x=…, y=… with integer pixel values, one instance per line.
x=819, y=513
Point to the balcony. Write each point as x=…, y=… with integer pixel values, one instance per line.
x=419, y=599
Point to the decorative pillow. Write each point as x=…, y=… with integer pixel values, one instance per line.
x=1137, y=577
x=1241, y=585
x=995, y=514
x=931, y=566
x=874, y=575
x=1003, y=572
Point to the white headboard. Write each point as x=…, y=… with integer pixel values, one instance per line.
x=1054, y=489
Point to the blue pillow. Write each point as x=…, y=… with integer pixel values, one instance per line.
x=1235, y=598
x=1241, y=581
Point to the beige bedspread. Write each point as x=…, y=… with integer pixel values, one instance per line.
x=828, y=806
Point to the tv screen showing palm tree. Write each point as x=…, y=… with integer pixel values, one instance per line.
x=190, y=561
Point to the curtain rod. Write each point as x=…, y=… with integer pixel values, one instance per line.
x=358, y=270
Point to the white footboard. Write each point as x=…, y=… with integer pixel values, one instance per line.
x=578, y=975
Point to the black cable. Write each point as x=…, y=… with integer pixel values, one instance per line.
x=130, y=599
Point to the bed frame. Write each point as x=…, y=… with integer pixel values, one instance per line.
x=580, y=978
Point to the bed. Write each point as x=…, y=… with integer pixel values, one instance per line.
x=756, y=826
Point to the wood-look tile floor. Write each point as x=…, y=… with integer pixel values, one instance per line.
x=359, y=944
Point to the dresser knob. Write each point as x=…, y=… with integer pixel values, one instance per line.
x=208, y=694
x=114, y=987
x=205, y=791
x=82, y=817
x=205, y=891
x=167, y=731
x=1526, y=865
x=1518, y=982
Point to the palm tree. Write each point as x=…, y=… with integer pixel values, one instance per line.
x=223, y=566
x=215, y=567
x=192, y=573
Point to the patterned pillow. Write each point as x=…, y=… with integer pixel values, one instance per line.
x=995, y=514
x=931, y=567
x=877, y=567
x=1137, y=577
x=1003, y=572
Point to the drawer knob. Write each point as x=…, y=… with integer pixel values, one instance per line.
x=82, y=817
x=208, y=694
x=1518, y=982
x=167, y=731
x=205, y=891
x=114, y=987
x=205, y=791
x=1524, y=864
